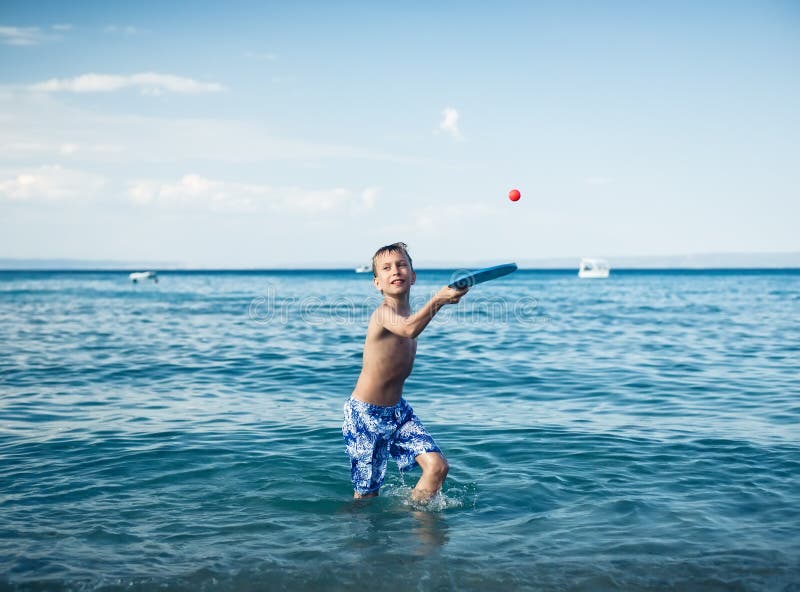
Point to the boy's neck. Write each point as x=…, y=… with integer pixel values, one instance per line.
x=400, y=303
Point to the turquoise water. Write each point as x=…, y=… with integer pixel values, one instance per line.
x=639, y=433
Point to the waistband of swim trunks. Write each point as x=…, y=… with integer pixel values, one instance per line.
x=378, y=408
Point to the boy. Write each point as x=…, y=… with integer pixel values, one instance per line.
x=377, y=420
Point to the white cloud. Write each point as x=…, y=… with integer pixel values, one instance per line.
x=29, y=36
x=126, y=30
x=22, y=36
x=54, y=148
x=193, y=191
x=369, y=195
x=49, y=183
x=67, y=149
x=261, y=56
x=38, y=125
x=449, y=123
x=146, y=82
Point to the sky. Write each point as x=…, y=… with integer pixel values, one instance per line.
x=269, y=134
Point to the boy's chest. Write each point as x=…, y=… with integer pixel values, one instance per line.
x=403, y=348
x=396, y=352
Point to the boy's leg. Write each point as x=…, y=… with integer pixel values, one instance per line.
x=412, y=444
x=367, y=449
x=357, y=495
x=434, y=471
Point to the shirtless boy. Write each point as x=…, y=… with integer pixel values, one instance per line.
x=377, y=420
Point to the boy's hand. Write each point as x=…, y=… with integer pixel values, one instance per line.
x=448, y=295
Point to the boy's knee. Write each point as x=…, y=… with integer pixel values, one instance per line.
x=433, y=465
x=439, y=468
x=445, y=469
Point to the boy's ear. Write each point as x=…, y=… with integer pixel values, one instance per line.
x=413, y=277
x=375, y=283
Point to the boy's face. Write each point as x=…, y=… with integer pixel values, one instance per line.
x=393, y=273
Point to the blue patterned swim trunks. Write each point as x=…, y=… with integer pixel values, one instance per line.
x=373, y=433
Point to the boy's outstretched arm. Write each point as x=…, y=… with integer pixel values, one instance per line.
x=414, y=324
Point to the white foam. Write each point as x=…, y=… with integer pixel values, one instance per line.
x=448, y=499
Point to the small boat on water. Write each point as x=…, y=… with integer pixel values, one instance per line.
x=137, y=276
x=593, y=268
x=363, y=268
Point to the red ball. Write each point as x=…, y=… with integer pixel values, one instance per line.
x=514, y=195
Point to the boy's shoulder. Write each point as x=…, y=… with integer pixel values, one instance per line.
x=379, y=313
x=376, y=323
x=382, y=315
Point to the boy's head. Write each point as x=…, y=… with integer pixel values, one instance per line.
x=392, y=269
x=401, y=248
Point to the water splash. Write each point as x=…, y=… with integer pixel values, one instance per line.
x=449, y=498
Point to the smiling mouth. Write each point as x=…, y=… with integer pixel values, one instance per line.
x=398, y=282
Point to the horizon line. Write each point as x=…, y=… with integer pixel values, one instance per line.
x=708, y=260
x=351, y=270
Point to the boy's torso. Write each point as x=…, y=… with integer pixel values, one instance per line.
x=388, y=361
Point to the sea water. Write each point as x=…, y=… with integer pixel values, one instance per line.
x=635, y=433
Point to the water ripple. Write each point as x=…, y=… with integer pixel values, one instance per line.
x=640, y=433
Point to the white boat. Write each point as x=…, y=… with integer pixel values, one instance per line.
x=363, y=268
x=593, y=268
x=136, y=276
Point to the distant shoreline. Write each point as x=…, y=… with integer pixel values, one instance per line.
x=298, y=270
x=705, y=261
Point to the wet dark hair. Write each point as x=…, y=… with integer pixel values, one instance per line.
x=393, y=248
